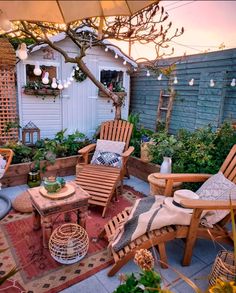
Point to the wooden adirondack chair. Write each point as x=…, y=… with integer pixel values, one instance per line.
x=195, y=230
x=7, y=154
x=101, y=181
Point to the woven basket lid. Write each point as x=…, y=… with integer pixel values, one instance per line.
x=22, y=203
x=7, y=53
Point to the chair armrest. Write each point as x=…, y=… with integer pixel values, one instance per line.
x=128, y=152
x=208, y=204
x=181, y=177
x=87, y=149
x=85, y=152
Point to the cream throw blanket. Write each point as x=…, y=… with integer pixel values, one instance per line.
x=148, y=214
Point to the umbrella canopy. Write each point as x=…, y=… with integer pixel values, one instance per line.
x=67, y=11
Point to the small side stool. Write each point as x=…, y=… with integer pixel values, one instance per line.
x=157, y=186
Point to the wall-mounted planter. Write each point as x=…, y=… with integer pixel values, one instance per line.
x=42, y=92
x=17, y=173
x=119, y=94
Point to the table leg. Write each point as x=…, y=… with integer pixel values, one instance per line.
x=47, y=230
x=81, y=216
x=36, y=219
x=67, y=217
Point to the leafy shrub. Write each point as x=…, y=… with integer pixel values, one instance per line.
x=201, y=151
x=138, y=134
x=48, y=149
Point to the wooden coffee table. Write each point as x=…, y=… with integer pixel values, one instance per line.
x=44, y=209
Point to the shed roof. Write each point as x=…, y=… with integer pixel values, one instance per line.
x=61, y=36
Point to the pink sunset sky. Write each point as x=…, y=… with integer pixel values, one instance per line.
x=207, y=24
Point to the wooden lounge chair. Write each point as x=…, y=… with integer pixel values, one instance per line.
x=195, y=230
x=101, y=181
x=8, y=155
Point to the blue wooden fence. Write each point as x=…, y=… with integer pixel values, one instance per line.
x=194, y=106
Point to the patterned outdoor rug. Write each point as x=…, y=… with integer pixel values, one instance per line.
x=40, y=273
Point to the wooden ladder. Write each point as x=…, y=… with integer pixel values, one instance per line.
x=164, y=109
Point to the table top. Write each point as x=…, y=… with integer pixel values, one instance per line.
x=44, y=204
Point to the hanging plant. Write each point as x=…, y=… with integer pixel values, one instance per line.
x=79, y=75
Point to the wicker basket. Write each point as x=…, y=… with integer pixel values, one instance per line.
x=68, y=243
x=224, y=267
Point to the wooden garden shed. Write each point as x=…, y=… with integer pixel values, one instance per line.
x=79, y=106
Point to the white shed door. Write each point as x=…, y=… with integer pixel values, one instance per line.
x=79, y=105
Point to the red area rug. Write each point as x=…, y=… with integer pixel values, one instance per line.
x=40, y=272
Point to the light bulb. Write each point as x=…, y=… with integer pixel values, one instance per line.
x=45, y=79
x=54, y=83
x=5, y=24
x=116, y=56
x=77, y=67
x=106, y=49
x=68, y=81
x=124, y=62
x=135, y=69
x=65, y=84
x=175, y=80
x=148, y=73
x=71, y=78
x=212, y=84
x=60, y=86
x=37, y=70
x=159, y=77
x=233, y=82
x=191, y=82
x=22, y=52
x=73, y=72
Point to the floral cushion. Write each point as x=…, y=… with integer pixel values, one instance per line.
x=110, y=146
x=107, y=159
x=216, y=187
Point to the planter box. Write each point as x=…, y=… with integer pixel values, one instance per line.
x=141, y=169
x=17, y=173
x=42, y=92
x=119, y=94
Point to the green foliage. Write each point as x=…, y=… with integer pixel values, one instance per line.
x=138, y=134
x=48, y=149
x=144, y=282
x=166, y=146
x=201, y=151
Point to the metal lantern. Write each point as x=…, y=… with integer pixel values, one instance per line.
x=30, y=134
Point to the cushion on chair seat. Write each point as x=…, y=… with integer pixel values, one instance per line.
x=217, y=187
x=22, y=203
x=107, y=159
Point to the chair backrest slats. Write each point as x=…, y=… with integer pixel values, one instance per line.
x=117, y=130
x=228, y=168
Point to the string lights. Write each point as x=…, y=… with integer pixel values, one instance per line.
x=191, y=82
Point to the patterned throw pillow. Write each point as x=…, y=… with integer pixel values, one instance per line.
x=110, y=146
x=216, y=187
x=107, y=159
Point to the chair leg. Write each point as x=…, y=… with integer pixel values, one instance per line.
x=119, y=264
x=163, y=257
x=104, y=211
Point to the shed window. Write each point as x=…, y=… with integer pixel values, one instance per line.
x=31, y=77
x=113, y=79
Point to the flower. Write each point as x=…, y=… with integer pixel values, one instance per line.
x=144, y=259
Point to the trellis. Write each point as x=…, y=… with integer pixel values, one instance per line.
x=8, y=103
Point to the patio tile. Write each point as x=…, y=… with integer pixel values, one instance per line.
x=175, y=255
x=200, y=279
x=90, y=285
x=111, y=283
x=138, y=184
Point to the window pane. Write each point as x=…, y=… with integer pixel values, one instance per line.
x=30, y=76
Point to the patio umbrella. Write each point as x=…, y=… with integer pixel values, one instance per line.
x=67, y=11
